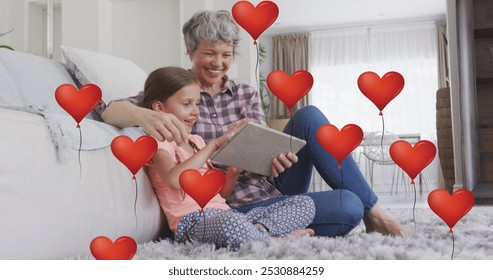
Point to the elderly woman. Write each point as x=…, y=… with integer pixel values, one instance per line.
x=211, y=39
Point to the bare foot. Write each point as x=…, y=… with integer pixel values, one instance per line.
x=302, y=232
x=378, y=221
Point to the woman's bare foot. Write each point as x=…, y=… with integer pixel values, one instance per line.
x=376, y=220
x=302, y=232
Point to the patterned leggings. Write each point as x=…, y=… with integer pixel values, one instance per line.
x=230, y=228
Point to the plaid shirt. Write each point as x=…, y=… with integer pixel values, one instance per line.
x=235, y=102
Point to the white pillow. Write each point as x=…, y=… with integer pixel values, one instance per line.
x=30, y=81
x=118, y=78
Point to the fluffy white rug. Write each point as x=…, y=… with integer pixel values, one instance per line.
x=473, y=236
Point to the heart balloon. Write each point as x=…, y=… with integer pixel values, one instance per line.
x=255, y=20
x=339, y=143
x=202, y=188
x=451, y=208
x=102, y=248
x=412, y=159
x=78, y=103
x=380, y=91
x=289, y=89
x=134, y=154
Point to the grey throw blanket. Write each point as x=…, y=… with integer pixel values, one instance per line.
x=66, y=137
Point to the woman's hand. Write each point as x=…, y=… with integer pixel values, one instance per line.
x=163, y=126
x=282, y=162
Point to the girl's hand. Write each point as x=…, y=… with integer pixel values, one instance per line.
x=232, y=130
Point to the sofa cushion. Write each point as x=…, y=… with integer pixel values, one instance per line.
x=117, y=77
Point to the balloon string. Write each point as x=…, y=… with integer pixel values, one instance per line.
x=383, y=131
x=135, y=203
x=342, y=187
x=414, y=207
x=203, y=232
x=381, y=139
x=453, y=245
x=256, y=68
x=80, y=148
x=277, y=182
x=292, y=132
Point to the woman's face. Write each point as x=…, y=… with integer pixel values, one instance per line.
x=183, y=104
x=210, y=62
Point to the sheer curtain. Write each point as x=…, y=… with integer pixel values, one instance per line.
x=338, y=57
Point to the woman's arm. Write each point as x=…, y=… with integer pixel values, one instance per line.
x=231, y=177
x=163, y=126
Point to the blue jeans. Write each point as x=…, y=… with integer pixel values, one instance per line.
x=337, y=211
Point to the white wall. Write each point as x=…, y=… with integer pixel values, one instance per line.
x=16, y=14
x=147, y=32
x=4, y=21
x=81, y=24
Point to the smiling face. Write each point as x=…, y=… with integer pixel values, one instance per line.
x=183, y=104
x=210, y=62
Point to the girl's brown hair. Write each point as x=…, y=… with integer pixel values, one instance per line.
x=163, y=82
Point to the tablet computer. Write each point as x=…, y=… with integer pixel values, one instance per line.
x=254, y=146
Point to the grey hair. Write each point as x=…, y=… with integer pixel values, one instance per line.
x=211, y=27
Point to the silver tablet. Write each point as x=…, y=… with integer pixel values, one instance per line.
x=254, y=146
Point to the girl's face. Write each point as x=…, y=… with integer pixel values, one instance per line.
x=183, y=104
x=210, y=62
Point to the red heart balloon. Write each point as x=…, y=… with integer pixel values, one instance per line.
x=289, y=89
x=102, y=248
x=202, y=188
x=380, y=91
x=78, y=103
x=412, y=159
x=451, y=208
x=134, y=154
x=339, y=143
x=255, y=20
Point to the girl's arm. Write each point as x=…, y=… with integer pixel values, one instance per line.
x=170, y=172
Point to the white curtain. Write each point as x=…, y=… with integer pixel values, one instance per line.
x=338, y=57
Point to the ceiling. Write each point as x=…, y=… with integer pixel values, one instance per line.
x=295, y=15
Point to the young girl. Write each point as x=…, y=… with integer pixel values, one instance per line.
x=177, y=91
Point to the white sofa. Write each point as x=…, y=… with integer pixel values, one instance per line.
x=53, y=200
